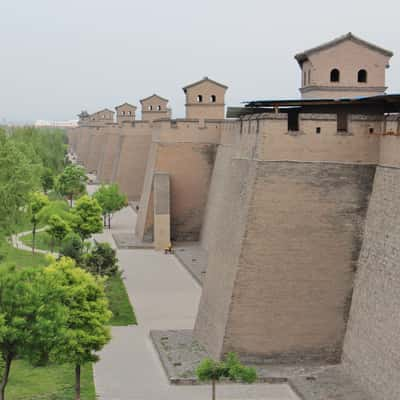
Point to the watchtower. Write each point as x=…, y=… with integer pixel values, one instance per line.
x=125, y=113
x=344, y=67
x=154, y=107
x=205, y=99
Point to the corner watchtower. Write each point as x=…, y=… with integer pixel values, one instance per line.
x=205, y=99
x=342, y=68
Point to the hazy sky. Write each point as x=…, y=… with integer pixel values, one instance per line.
x=60, y=56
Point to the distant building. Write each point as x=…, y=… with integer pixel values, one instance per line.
x=56, y=124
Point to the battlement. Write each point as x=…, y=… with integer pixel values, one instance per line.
x=187, y=130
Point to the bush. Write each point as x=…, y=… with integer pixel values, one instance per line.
x=72, y=246
x=102, y=260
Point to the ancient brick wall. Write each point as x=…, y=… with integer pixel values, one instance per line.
x=222, y=237
x=186, y=151
x=301, y=244
x=283, y=237
x=109, y=158
x=131, y=163
x=96, y=149
x=372, y=344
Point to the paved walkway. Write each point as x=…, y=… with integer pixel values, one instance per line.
x=164, y=296
x=18, y=244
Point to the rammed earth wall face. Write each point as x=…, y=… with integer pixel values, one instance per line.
x=372, y=345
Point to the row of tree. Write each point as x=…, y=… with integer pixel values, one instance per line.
x=29, y=160
x=57, y=313
x=80, y=220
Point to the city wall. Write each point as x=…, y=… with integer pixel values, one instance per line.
x=372, y=345
x=185, y=150
x=283, y=228
x=116, y=153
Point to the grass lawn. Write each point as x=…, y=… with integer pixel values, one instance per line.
x=43, y=241
x=120, y=305
x=53, y=382
x=21, y=258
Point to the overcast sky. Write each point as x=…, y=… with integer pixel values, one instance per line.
x=61, y=56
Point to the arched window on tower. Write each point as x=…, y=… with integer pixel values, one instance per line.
x=362, y=76
x=213, y=98
x=199, y=98
x=150, y=108
x=335, y=75
x=305, y=78
x=158, y=108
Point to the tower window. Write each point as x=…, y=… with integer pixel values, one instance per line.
x=309, y=76
x=158, y=108
x=129, y=113
x=213, y=98
x=150, y=108
x=199, y=98
x=305, y=78
x=335, y=75
x=122, y=112
x=362, y=76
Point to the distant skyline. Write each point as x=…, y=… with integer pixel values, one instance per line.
x=59, y=57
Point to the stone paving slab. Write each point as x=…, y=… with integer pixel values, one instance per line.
x=127, y=241
x=180, y=355
x=194, y=258
x=331, y=383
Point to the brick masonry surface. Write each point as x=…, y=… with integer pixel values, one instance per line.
x=311, y=217
x=372, y=345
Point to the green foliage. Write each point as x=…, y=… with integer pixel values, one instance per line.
x=72, y=246
x=18, y=178
x=58, y=228
x=24, y=155
x=87, y=217
x=56, y=207
x=72, y=182
x=110, y=199
x=102, y=260
x=230, y=368
x=31, y=314
x=37, y=202
x=47, y=145
x=47, y=179
x=85, y=332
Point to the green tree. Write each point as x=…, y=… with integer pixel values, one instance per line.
x=231, y=368
x=18, y=178
x=86, y=332
x=87, y=217
x=36, y=204
x=111, y=200
x=31, y=317
x=57, y=229
x=72, y=182
x=102, y=260
x=72, y=246
x=47, y=179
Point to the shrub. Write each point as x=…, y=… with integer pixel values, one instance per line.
x=102, y=260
